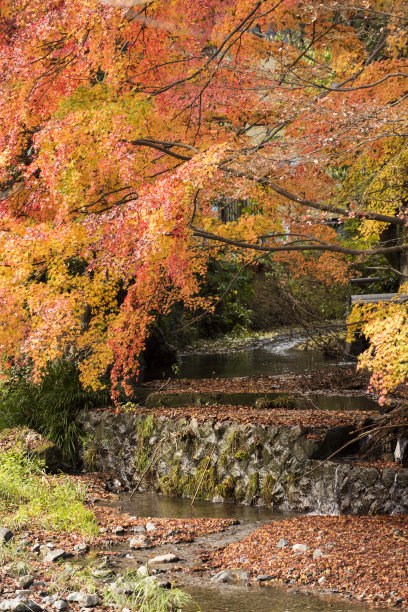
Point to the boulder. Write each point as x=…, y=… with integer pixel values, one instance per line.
x=32, y=444
x=50, y=454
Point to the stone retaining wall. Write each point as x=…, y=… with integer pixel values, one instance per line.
x=244, y=463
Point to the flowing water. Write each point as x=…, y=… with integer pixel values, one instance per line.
x=160, y=506
x=212, y=597
x=279, y=356
x=275, y=356
x=265, y=599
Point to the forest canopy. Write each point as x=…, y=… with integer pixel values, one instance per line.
x=124, y=127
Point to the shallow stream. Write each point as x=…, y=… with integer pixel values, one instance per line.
x=213, y=597
x=279, y=356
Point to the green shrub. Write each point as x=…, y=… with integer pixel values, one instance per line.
x=51, y=407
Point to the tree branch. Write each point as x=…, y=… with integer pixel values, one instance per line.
x=311, y=203
x=297, y=247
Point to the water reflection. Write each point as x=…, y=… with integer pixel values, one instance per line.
x=161, y=506
x=268, y=361
x=276, y=356
x=265, y=599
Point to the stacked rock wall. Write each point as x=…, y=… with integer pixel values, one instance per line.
x=244, y=463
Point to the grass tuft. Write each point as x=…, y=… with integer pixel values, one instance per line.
x=146, y=595
x=28, y=495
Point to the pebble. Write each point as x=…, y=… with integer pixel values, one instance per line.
x=5, y=535
x=25, y=581
x=150, y=526
x=55, y=555
x=139, y=542
x=88, y=600
x=119, y=530
x=317, y=553
x=73, y=597
x=36, y=548
x=300, y=548
x=49, y=599
x=264, y=578
x=143, y=570
x=103, y=573
x=82, y=548
x=124, y=589
x=282, y=543
x=223, y=576
x=20, y=604
x=23, y=592
x=138, y=529
x=33, y=605
x=322, y=580
x=166, y=558
x=60, y=604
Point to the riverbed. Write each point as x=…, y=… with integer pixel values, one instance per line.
x=280, y=356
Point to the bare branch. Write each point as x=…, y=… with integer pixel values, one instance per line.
x=403, y=248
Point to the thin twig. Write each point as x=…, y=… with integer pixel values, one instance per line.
x=204, y=473
x=152, y=460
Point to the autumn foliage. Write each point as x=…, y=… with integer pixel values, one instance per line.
x=124, y=126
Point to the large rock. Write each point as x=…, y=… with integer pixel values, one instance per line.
x=50, y=454
x=33, y=444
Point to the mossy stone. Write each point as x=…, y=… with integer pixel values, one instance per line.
x=50, y=454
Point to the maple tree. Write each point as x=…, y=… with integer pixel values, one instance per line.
x=123, y=124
